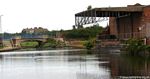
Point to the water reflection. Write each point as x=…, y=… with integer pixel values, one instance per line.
x=67, y=64
x=51, y=65
x=129, y=66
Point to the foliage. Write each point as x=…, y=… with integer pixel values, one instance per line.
x=89, y=7
x=136, y=47
x=1, y=46
x=84, y=34
x=89, y=44
x=29, y=44
x=53, y=33
x=53, y=43
x=148, y=48
x=50, y=43
x=50, y=40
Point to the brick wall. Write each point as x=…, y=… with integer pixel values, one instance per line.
x=146, y=22
x=146, y=14
x=137, y=22
x=126, y=24
x=112, y=25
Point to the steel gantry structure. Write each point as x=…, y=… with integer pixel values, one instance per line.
x=101, y=14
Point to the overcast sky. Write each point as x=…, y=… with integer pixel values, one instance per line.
x=50, y=14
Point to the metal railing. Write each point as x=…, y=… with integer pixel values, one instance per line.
x=123, y=35
x=131, y=35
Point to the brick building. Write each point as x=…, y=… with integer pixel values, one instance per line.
x=132, y=21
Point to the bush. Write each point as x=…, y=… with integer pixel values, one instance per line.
x=89, y=45
x=135, y=46
x=53, y=43
x=50, y=43
x=148, y=48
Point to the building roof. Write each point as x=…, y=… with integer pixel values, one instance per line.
x=102, y=12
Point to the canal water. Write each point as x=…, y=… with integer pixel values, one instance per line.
x=72, y=64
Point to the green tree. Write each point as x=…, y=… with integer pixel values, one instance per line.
x=83, y=34
x=89, y=7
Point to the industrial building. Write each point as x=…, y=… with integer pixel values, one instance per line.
x=132, y=21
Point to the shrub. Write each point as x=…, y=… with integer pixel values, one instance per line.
x=135, y=46
x=53, y=43
x=89, y=44
x=148, y=49
x=50, y=43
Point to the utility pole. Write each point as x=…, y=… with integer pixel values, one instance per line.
x=1, y=36
x=1, y=23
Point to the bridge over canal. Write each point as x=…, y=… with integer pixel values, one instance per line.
x=17, y=41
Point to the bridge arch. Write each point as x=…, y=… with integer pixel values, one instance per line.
x=17, y=42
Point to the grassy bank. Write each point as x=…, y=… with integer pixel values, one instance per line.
x=50, y=43
x=31, y=44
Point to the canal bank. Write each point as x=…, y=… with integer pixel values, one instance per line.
x=9, y=49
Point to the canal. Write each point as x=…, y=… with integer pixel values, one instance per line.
x=71, y=64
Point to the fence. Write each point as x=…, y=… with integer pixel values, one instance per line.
x=122, y=35
x=131, y=35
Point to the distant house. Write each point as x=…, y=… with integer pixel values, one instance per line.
x=132, y=21
x=34, y=32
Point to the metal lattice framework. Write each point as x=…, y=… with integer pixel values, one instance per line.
x=88, y=18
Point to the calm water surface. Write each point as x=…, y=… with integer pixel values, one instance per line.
x=71, y=64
